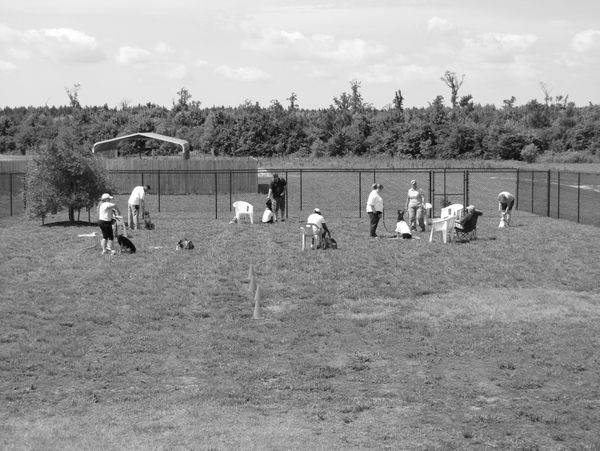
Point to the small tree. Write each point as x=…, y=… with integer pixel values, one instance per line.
x=62, y=176
x=530, y=152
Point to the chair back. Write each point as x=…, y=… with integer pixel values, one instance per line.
x=455, y=210
x=312, y=231
x=243, y=209
x=443, y=225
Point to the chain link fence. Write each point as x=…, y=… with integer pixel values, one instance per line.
x=342, y=193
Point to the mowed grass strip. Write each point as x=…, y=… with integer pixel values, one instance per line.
x=380, y=344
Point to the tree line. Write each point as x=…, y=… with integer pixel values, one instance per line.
x=459, y=129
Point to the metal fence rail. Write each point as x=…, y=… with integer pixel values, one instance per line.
x=574, y=196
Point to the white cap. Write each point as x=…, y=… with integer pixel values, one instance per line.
x=471, y=207
x=316, y=210
x=106, y=196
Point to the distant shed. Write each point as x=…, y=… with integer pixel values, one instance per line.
x=112, y=144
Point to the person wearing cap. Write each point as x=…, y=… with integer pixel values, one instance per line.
x=415, y=203
x=506, y=201
x=277, y=196
x=375, y=208
x=316, y=218
x=107, y=211
x=135, y=206
x=469, y=221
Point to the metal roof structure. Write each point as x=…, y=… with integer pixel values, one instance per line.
x=111, y=144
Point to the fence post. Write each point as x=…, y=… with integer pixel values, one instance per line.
x=10, y=183
x=287, y=204
x=466, y=188
x=532, y=191
x=548, y=193
x=300, y=190
x=359, y=193
x=558, y=196
x=216, y=197
x=517, y=188
x=432, y=189
x=578, y=194
x=230, y=190
x=445, y=191
x=158, y=175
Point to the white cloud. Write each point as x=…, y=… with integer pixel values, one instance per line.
x=202, y=63
x=387, y=73
x=163, y=48
x=296, y=45
x=62, y=45
x=133, y=55
x=177, y=71
x=439, y=24
x=242, y=73
x=496, y=47
x=586, y=41
x=6, y=66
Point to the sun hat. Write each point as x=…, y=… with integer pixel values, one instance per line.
x=106, y=196
x=316, y=210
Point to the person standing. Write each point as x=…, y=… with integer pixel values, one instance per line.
x=106, y=216
x=415, y=203
x=277, y=196
x=506, y=201
x=375, y=208
x=135, y=206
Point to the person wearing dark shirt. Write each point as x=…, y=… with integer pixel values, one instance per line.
x=277, y=196
x=469, y=221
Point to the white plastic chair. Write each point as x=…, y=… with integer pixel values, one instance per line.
x=455, y=210
x=243, y=210
x=443, y=226
x=312, y=231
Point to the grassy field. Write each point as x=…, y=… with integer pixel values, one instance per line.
x=381, y=344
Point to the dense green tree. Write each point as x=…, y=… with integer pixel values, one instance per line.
x=63, y=175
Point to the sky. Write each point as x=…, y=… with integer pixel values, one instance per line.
x=228, y=52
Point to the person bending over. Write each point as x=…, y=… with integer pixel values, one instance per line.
x=506, y=201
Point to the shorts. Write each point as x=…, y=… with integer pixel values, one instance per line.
x=107, y=229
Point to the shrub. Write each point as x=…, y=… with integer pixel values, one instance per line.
x=529, y=153
x=62, y=176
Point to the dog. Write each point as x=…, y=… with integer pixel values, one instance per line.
x=126, y=245
x=184, y=244
x=148, y=221
x=330, y=243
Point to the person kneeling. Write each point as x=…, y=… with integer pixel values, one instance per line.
x=316, y=218
x=268, y=214
x=402, y=228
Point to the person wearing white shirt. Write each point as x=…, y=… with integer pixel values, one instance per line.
x=316, y=218
x=106, y=214
x=135, y=206
x=375, y=208
x=506, y=201
x=415, y=202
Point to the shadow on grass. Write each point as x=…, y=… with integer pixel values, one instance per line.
x=70, y=224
